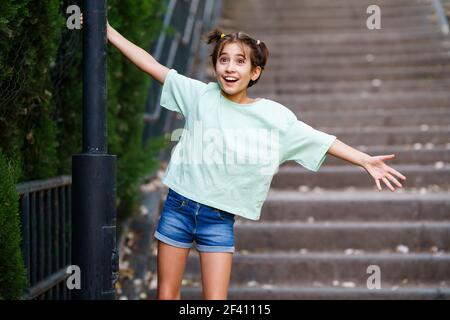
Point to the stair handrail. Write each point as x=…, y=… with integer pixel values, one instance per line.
x=441, y=16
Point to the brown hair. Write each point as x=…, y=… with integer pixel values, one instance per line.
x=258, y=52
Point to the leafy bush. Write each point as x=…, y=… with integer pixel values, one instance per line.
x=12, y=269
x=41, y=105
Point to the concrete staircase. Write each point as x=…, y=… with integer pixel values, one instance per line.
x=381, y=91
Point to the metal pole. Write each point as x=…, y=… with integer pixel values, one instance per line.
x=442, y=18
x=94, y=171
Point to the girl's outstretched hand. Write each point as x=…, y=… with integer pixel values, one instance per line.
x=376, y=167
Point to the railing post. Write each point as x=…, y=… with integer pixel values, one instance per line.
x=94, y=171
x=441, y=17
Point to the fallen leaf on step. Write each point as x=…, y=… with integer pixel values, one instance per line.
x=348, y=284
x=402, y=248
x=153, y=283
x=417, y=146
x=439, y=165
x=143, y=296
x=267, y=286
x=252, y=283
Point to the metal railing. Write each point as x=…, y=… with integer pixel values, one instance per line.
x=45, y=207
x=441, y=16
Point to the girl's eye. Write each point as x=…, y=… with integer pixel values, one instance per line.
x=223, y=59
x=241, y=61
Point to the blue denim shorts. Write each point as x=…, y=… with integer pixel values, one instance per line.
x=183, y=221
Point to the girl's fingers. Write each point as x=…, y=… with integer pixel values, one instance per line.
x=398, y=174
x=378, y=184
x=387, y=156
x=390, y=176
x=386, y=181
x=392, y=170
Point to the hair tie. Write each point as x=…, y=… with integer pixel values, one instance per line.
x=257, y=42
x=222, y=35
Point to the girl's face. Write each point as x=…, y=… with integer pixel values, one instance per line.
x=231, y=64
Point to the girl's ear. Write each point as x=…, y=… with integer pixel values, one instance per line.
x=256, y=73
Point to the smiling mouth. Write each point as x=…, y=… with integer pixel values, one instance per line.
x=230, y=80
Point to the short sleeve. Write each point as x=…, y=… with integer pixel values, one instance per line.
x=305, y=145
x=180, y=93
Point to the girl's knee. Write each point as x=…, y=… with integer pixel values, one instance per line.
x=215, y=296
x=168, y=295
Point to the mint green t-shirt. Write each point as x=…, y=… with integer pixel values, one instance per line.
x=227, y=153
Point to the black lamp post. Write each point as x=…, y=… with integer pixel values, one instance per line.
x=94, y=171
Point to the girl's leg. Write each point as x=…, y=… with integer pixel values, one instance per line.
x=216, y=272
x=170, y=269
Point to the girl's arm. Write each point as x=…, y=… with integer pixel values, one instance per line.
x=373, y=165
x=137, y=55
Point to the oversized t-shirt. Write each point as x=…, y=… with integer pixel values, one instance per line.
x=227, y=153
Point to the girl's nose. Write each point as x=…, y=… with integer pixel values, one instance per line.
x=229, y=66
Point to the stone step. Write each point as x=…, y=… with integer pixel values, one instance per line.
x=324, y=236
x=385, y=135
x=282, y=13
x=364, y=61
x=354, y=37
x=269, y=292
x=343, y=50
x=365, y=73
x=277, y=6
x=355, y=205
x=381, y=111
x=416, y=154
x=378, y=119
x=282, y=268
x=331, y=29
x=336, y=32
x=362, y=101
x=262, y=33
x=436, y=178
x=325, y=22
x=414, y=137
x=353, y=87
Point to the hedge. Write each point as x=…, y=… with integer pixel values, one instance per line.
x=41, y=104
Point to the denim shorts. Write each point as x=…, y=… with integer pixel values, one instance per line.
x=183, y=221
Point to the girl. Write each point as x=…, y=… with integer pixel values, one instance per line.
x=228, y=153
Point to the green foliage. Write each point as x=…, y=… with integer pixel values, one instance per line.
x=12, y=270
x=28, y=42
x=41, y=107
x=127, y=88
